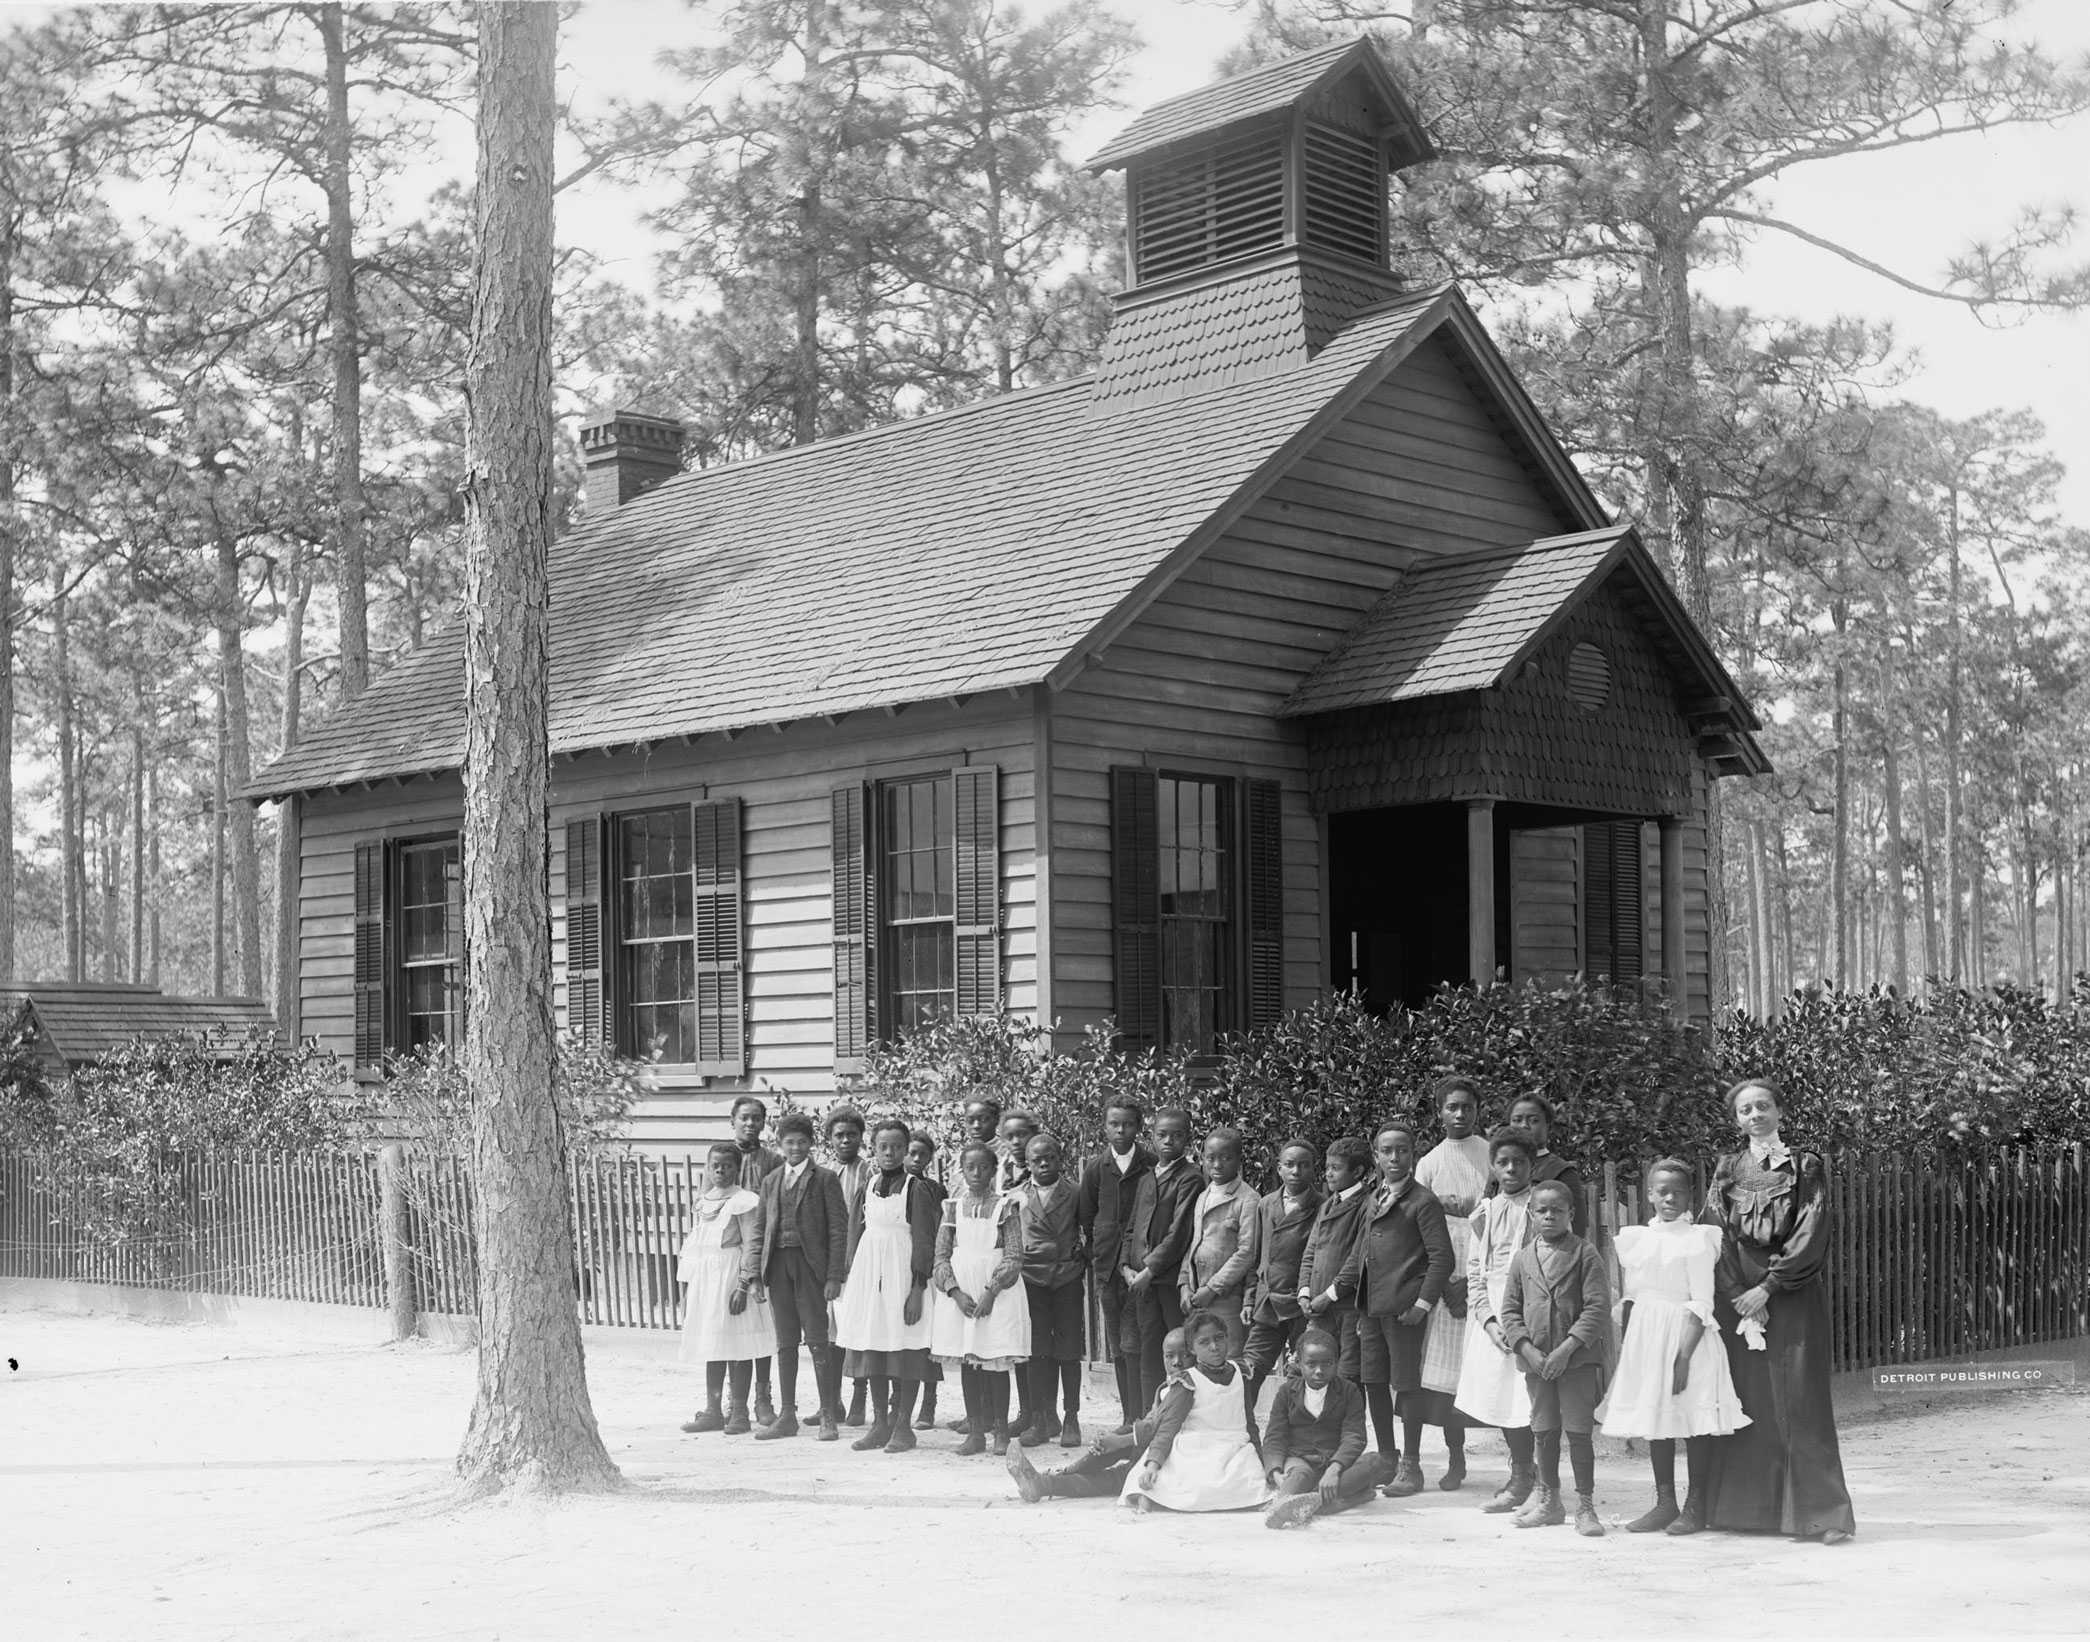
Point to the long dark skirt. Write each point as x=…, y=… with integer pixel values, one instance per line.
x=1782, y=1473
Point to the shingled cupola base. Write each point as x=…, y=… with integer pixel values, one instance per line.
x=1256, y=222
x=627, y=453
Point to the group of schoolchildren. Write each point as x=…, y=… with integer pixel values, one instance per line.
x=1449, y=1289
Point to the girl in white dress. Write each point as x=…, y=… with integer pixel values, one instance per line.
x=726, y=1323
x=1672, y=1380
x=882, y=1319
x=1491, y=1381
x=975, y=1329
x=1203, y=1456
x=1456, y=1172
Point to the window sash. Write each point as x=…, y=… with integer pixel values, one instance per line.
x=426, y=943
x=917, y=873
x=1197, y=865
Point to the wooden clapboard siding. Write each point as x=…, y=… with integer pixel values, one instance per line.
x=331, y=825
x=1194, y=684
x=1545, y=904
x=783, y=780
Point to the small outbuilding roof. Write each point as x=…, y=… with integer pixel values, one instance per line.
x=1469, y=623
x=79, y=1021
x=1267, y=91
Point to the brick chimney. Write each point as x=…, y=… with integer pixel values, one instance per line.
x=628, y=452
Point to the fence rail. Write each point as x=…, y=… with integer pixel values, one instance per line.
x=1928, y=1262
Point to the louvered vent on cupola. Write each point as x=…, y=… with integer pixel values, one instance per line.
x=1256, y=219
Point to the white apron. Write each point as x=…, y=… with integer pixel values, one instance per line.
x=1456, y=1172
x=870, y=1315
x=1001, y=1339
x=710, y=1331
x=1491, y=1382
x=1212, y=1466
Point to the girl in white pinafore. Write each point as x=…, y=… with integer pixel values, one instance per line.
x=1666, y=1273
x=726, y=1321
x=981, y=1338
x=1207, y=1460
x=889, y=1266
x=1456, y=1172
x=1491, y=1381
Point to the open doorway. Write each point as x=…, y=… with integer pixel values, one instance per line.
x=1397, y=901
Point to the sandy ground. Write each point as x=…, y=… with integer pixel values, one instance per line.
x=199, y=1481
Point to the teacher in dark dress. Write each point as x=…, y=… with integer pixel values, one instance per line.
x=1782, y=1473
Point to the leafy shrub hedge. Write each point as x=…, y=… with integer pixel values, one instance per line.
x=1952, y=1070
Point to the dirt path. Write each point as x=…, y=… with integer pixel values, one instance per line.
x=184, y=1481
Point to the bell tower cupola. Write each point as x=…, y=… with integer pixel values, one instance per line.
x=1256, y=220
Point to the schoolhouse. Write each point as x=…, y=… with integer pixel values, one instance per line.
x=1285, y=651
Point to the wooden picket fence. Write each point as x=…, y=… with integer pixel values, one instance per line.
x=1930, y=1261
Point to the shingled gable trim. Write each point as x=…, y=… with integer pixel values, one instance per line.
x=1447, y=307
x=1265, y=91
x=1626, y=555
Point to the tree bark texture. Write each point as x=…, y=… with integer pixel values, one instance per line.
x=287, y=818
x=345, y=354
x=238, y=770
x=533, y=1427
x=7, y=597
x=72, y=909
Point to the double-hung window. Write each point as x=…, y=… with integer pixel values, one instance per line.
x=917, y=904
x=409, y=946
x=1197, y=905
x=653, y=936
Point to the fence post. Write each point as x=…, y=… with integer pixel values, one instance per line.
x=398, y=1245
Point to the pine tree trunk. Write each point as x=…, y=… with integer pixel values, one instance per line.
x=112, y=903
x=244, y=849
x=1840, y=848
x=7, y=600
x=71, y=911
x=218, y=964
x=287, y=814
x=137, y=784
x=1897, y=899
x=533, y=1426
x=344, y=350
x=1955, y=820
x=1926, y=871
x=152, y=876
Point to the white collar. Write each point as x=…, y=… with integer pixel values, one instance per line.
x=1124, y=1159
x=1349, y=1192
x=1168, y=1168
x=1313, y=1398
x=1771, y=1152
x=792, y=1171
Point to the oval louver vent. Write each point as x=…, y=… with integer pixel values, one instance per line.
x=1589, y=677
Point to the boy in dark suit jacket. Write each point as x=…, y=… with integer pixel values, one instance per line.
x=1108, y=1183
x=1313, y=1443
x=1398, y=1269
x=1327, y=1285
x=1555, y=1319
x=1157, y=1236
x=1271, y=1306
x=805, y=1239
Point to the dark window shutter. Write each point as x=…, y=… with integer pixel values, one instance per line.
x=1612, y=945
x=854, y=916
x=372, y=958
x=978, y=858
x=1265, y=903
x=1135, y=896
x=1626, y=924
x=721, y=1002
x=586, y=1006
x=453, y=943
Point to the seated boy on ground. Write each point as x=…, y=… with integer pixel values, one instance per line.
x=1100, y=1473
x=1313, y=1442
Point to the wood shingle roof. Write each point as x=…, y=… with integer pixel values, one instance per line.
x=1456, y=625
x=1267, y=91
x=947, y=556
x=82, y=1020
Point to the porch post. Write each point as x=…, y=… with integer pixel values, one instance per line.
x=1480, y=889
x=1675, y=976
